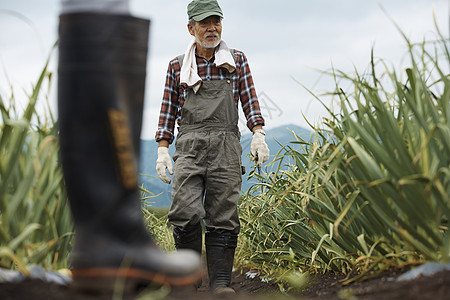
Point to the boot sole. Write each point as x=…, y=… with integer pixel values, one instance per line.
x=106, y=279
x=224, y=291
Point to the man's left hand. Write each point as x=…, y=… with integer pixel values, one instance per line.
x=259, y=148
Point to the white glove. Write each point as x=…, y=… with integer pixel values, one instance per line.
x=162, y=163
x=259, y=148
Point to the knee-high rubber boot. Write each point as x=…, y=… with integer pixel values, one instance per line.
x=101, y=81
x=190, y=238
x=220, y=249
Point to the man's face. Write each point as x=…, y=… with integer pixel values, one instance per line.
x=207, y=32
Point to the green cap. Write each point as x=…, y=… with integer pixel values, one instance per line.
x=201, y=9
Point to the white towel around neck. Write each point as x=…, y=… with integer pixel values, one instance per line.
x=189, y=76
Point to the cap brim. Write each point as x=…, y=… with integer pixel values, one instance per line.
x=206, y=15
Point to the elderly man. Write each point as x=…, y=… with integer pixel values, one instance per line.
x=201, y=95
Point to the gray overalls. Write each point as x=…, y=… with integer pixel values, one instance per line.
x=207, y=160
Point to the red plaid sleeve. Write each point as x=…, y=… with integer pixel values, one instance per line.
x=247, y=92
x=170, y=106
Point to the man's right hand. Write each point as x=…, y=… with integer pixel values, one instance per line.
x=162, y=163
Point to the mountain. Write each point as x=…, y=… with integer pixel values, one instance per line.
x=149, y=149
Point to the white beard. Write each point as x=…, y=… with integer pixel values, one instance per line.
x=204, y=44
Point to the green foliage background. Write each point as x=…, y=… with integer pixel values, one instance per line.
x=35, y=221
x=371, y=191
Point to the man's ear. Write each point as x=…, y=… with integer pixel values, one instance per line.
x=191, y=29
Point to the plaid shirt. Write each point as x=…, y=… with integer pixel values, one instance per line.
x=175, y=94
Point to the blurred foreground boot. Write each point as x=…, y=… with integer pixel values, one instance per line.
x=220, y=249
x=101, y=82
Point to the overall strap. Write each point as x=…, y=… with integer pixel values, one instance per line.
x=181, y=57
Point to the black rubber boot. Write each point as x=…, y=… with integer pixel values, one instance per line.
x=101, y=82
x=220, y=249
x=190, y=238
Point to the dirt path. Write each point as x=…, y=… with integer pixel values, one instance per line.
x=384, y=287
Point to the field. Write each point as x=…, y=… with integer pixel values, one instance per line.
x=436, y=287
x=339, y=216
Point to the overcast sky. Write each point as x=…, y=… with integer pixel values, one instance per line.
x=284, y=41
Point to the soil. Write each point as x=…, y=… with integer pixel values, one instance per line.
x=321, y=287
